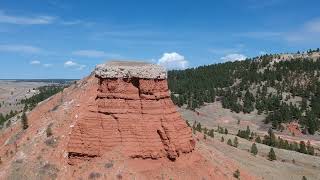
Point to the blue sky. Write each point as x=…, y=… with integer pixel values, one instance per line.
x=66, y=39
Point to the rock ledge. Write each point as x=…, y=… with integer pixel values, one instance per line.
x=130, y=69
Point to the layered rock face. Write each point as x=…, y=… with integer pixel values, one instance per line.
x=132, y=113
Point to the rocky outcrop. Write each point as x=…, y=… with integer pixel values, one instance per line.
x=131, y=113
x=125, y=69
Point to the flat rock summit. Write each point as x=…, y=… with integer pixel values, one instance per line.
x=130, y=69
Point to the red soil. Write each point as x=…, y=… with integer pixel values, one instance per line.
x=294, y=128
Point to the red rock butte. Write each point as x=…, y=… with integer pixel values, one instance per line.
x=129, y=111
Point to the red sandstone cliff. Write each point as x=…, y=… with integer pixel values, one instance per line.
x=135, y=115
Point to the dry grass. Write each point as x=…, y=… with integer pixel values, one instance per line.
x=289, y=164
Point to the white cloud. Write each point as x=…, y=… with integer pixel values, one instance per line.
x=20, y=48
x=95, y=54
x=221, y=51
x=313, y=26
x=81, y=66
x=90, y=53
x=308, y=33
x=173, y=61
x=47, y=65
x=35, y=62
x=259, y=34
x=234, y=57
x=70, y=64
x=76, y=22
x=69, y=23
x=39, y=20
x=73, y=64
x=10, y=19
x=258, y=4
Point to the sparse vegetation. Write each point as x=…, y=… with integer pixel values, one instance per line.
x=245, y=133
x=272, y=155
x=222, y=139
x=44, y=93
x=187, y=122
x=48, y=171
x=229, y=142
x=258, y=139
x=235, y=142
x=254, y=149
x=197, y=127
x=51, y=142
x=24, y=121
x=3, y=118
x=211, y=133
x=236, y=174
x=94, y=175
x=272, y=141
x=225, y=131
x=119, y=176
x=220, y=130
x=109, y=164
x=49, y=130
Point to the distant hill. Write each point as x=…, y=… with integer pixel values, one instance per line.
x=59, y=81
x=286, y=87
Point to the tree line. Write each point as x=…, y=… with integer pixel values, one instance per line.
x=30, y=103
x=257, y=83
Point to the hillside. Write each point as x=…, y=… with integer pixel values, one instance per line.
x=284, y=87
x=109, y=127
x=118, y=123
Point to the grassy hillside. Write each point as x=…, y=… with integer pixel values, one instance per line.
x=286, y=87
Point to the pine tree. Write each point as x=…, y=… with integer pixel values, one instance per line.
x=302, y=148
x=254, y=149
x=225, y=131
x=229, y=142
x=295, y=146
x=236, y=174
x=211, y=133
x=198, y=128
x=272, y=155
x=222, y=139
x=8, y=123
x=310, y=149
x=248, y=132
x=24, y=121
x=235, y=142
x=251, y=136
x=258, y=140
x=187, y=122
x=194, y=127
x=205, y=130
x=49, y=131
x=248, y=102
